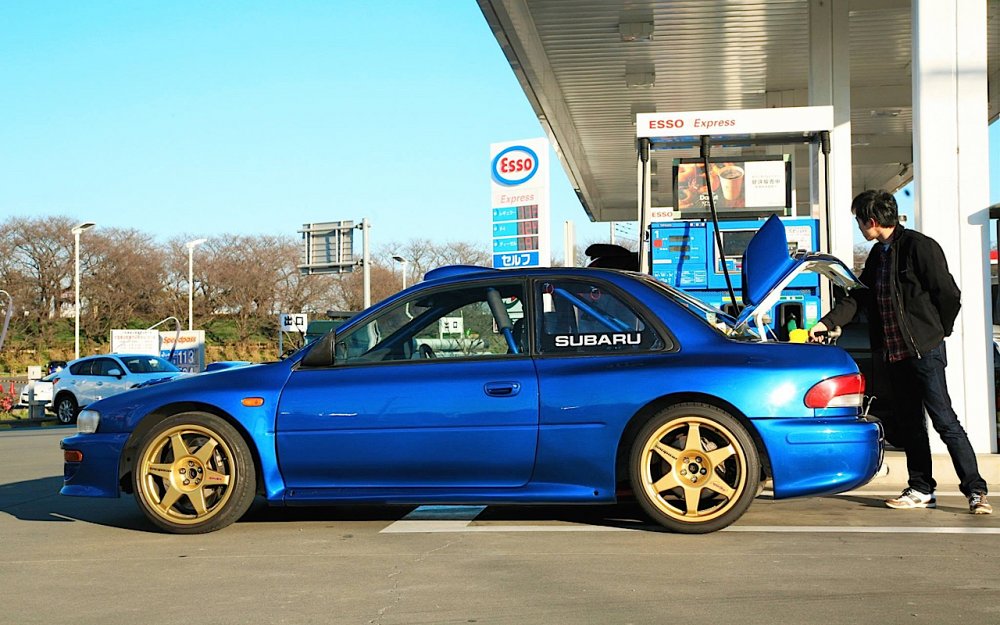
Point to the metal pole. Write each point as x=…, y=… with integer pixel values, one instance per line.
x=190, y=287
x=191, y=245
x=87, y=225
x=365, y=263
x=76, y=293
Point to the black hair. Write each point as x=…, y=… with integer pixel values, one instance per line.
x=878, y=205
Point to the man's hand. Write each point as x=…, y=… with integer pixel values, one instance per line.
x=817, y=332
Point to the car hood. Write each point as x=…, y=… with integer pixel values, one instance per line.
x=768, y=269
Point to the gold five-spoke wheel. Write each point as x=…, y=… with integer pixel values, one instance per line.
x=694, y=468
x=193, y=474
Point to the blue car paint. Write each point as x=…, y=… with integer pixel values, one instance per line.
x=583, y=406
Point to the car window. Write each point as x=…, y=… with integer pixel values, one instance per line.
x=462, y=322
x=81, y=368
x=102, y=366
x=720, y=321
x=582, y=317
x=148, y=364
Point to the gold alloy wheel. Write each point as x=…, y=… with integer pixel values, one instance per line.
x=693, y=469
x=186, y=474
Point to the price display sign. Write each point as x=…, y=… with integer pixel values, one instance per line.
x=519, y=181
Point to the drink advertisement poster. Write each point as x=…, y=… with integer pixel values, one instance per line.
x=519, y=207
x=738, y=186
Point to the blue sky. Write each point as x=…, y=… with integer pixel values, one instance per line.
x=205, y=118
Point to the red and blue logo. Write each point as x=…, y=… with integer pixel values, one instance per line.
x=514, y=165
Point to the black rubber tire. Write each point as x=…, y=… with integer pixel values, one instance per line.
x=710, y=463
x=67, y=409
x=157, y=474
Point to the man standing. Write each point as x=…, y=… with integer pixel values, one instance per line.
x=912, y=302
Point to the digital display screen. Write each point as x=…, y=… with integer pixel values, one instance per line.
x=735, y=241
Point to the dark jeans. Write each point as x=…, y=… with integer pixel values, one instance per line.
x=919, y=383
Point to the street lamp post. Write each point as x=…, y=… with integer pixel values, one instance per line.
x=405, y=263
x=191, y=245
x=87, y=225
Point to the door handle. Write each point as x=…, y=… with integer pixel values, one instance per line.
x=502, y=389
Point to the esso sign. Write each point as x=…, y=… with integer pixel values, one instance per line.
x=659, y=124
x=514, y=165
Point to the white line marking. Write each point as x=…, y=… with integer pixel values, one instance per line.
x=434, y=527
x=445, y=513
x=848, y=529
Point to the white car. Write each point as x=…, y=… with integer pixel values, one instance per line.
x=89, y=379
x=42, y=388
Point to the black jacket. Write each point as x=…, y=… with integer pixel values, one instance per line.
x=924, y=294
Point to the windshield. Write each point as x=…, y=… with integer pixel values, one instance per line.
x=714, y=317
x=149, y=364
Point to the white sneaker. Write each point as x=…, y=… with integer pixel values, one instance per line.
x=912, y=499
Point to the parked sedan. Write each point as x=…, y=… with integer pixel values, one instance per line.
x=42, y=389
x=571, y=383
x=93, y=378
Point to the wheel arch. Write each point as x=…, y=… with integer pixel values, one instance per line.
x=147, y=423
x=64, y=393
x=646, y=413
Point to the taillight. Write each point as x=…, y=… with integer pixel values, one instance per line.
x=54, y=380
x=842, y=391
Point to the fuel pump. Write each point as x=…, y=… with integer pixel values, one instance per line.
x=721, y=199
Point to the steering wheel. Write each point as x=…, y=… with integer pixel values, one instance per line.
x=426, y=351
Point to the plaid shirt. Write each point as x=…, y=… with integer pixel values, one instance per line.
x=895, y=346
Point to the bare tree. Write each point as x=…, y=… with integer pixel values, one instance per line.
x=124, y=282
x=41, y=268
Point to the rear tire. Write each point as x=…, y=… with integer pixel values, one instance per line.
x=193, y=474
x=694, y=468
x=67, y=409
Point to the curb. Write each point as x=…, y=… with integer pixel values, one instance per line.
x=16, y=424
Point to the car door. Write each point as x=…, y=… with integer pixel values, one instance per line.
x=106, y=383
x=81, y=381
x=593, y=346
x=433, y=391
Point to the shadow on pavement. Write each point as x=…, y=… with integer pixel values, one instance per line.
x=39, y=500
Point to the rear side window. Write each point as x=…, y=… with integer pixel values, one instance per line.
x=583, y=317
x=102, y=366
x=81, y=368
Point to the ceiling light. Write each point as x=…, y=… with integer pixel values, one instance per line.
x=636, y=31
x=636, y=25
x=640, y=75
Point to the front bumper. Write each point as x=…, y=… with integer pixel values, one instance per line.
x=97, y=474
x=821, y=456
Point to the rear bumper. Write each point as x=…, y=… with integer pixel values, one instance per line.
x=97, y=474
x=821, y=456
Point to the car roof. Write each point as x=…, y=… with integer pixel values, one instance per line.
x=115, y=355
x=457, y=273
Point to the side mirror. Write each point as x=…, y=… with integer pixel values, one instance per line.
x=321, y=353
x=115, y=372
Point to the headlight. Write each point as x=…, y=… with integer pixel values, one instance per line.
x=86, y=421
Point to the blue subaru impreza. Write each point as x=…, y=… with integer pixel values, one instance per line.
x=554, y=385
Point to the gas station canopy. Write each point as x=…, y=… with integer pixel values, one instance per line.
x=588, y=67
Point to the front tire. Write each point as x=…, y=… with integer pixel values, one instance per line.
x=694, y=468
x=67, y=409
x=193, y=474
